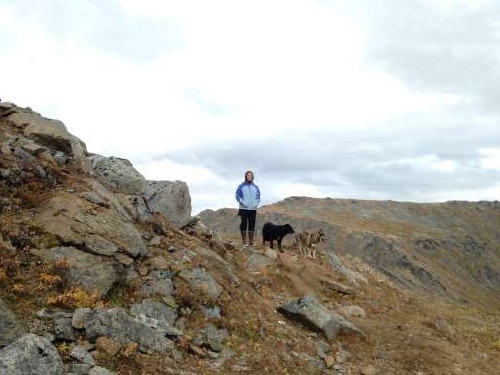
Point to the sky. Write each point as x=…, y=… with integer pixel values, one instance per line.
x=360, y=99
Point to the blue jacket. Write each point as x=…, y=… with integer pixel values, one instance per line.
x=248, y=196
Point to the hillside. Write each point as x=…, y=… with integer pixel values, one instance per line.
x=102, y=272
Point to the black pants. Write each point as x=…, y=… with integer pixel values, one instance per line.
x=247, y=220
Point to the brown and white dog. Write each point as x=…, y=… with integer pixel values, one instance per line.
x=307, y=241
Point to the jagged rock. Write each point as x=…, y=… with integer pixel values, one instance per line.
x=119, y=176
x=135, y=206
x=200, y=279
x=30, y=355
x=211, y=337
x=172, y=199
x=81, y=354
x=354, y=277
x=78, y=318
x=158, y=282
x=10, y=327
x=75, y=221
x=96, y=274
x=308, y=311
x=155, y=309
x=116, y=324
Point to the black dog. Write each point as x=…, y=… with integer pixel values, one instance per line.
x=271, y=232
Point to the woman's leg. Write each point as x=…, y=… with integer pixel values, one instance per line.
x=251, y=225
x=243, y=225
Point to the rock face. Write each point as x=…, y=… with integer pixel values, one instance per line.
x=99, y=230
x=308, y=311
x=10, y=327
x=46, y=136
x=30, y=355
x=171, y=199
x=93, y=273
x=199, y=279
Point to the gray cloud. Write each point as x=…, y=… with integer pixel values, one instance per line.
x=382, y=164
x=455, y=52
x=101, y=25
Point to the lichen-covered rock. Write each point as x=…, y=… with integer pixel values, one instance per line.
x=308, y=311
x=30, y=355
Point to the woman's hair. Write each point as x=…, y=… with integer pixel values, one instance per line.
x=247, y=172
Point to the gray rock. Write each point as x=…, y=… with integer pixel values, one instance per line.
x=72, y=220
x=308, y=311
x=120, y=176
x=155, y=309
x=77, y=369
x=92, y=272
x=172, y=199
x=81, y=354
x=78, y=319
x=50, y=133
x=10, y=327
x=116, y=324
x=60, y=157
x=30, y=355
x=63, y=329
x=199, y=279
x=157, y=283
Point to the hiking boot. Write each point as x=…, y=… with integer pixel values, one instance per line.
x=250, y=238
x=244, y=238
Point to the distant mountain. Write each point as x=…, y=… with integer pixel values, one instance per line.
x=451, y=249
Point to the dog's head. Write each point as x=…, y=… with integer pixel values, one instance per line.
x=321, y=235
x=287, y=228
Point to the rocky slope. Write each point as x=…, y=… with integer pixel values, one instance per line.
x=102, y=272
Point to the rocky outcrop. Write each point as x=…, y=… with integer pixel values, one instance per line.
x=91, y=226
x=96, y=274
x=30, y=355
x=45, y=137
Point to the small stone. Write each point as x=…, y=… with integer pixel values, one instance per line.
x=329, y=361
x=109, y=346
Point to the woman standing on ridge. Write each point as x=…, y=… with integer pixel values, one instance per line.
x=248, y=196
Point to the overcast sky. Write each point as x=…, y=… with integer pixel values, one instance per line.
x=365, y=99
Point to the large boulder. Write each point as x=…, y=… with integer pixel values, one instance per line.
x=308, y=311
x=30, y=355
x=10, y=327
x=118, y=325
x=119, y=175
x=95, y=274
x=170, y=198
